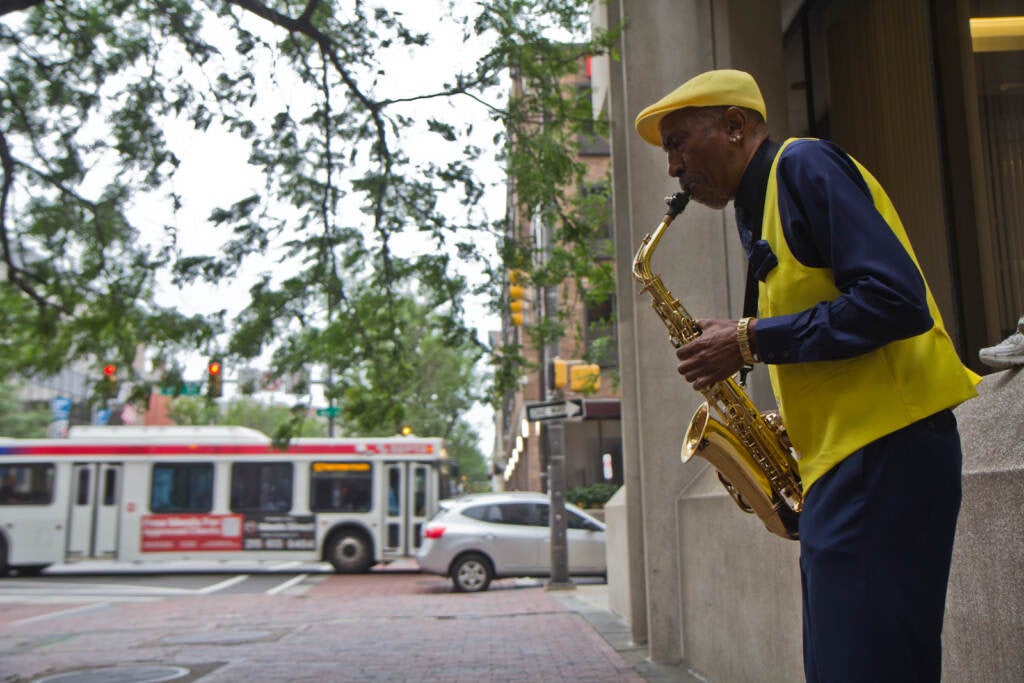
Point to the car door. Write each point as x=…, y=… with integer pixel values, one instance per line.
x=586, y=542
x=516, y=541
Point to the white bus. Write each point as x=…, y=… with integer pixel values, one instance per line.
x=151, y=494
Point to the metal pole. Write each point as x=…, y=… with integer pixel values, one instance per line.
x=330, y=403
x=557, y=517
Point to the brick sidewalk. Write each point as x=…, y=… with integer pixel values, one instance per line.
x=382, y=626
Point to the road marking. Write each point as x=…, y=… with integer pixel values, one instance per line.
x=64, y=613
x=227, y=583
x=287, y=565
x=280, y=588
x=87, y=588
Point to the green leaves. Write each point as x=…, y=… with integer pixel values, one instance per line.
x=364, y=237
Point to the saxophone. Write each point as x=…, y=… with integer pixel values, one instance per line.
x=750, y=451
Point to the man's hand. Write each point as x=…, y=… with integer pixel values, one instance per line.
x=711, y=357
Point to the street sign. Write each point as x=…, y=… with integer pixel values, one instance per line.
x=568, y=409
x=187, y=389
x=61, y=407
x=332, y=411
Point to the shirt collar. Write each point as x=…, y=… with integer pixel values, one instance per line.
x=750, y=194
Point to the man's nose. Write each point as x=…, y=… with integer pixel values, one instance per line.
x=676, y=167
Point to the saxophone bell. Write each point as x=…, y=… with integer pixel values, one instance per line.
x=738, y=471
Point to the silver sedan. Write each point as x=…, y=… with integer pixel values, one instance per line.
x=480, y=537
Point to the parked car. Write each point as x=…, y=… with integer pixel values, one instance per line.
x=480, y=537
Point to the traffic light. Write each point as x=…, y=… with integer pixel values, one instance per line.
x=585, y=377
x=110, y=380
x=575, y=375
x=515, y=297
x=214, y=379
x=559, y=373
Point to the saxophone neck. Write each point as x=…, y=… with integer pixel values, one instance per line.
x=642, y=261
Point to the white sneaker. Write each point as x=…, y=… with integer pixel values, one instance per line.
x=1008, y=353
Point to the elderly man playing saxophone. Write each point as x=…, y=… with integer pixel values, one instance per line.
x=863, y=370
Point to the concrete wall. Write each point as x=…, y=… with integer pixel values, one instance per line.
x=617, y=535
x=700, y=581
x=983, y=633
x=701, y=262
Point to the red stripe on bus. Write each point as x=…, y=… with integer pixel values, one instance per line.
x=218, y=449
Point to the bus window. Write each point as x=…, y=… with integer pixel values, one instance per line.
x=110, y=487
x=394, y=491
x=82, y=495
x=26, y=484
x=341, y=487
x=419, y=489
x=261, y=487
x=182, y=487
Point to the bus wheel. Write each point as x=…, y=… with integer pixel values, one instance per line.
x=3, y=558
x=350, y=552
x=29, y=569
x=472, y=573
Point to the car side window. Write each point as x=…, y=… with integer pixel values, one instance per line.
x=542, y=514
x=578, y=521
x=484, y=513
x=522, y=514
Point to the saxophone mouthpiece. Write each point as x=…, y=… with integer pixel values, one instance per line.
x=676, y=203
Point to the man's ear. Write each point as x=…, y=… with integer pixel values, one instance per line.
x=735, y=122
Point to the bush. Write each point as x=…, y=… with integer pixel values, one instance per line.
x=593, y=496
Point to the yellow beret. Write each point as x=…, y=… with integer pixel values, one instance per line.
x=722, y=87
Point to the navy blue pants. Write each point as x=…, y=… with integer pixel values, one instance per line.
x=876, y=537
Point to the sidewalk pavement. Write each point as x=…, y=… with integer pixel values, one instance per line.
x=390, y=625
x=591, y=602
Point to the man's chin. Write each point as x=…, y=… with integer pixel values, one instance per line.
x=710, y=202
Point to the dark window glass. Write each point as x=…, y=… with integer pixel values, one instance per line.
x=521, y=513
x=542, y=514
x=82, y=495
x=419, y=490
x=394, y=491
x=261, y=487
x=341, y=487
x=578, y=521
x=26, y=484
x=485, y=513
x=182, y=487
x=110, y=487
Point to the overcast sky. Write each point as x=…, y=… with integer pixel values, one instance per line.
x=214, y=172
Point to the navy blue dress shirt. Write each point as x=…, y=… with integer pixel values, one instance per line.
x=829, y=221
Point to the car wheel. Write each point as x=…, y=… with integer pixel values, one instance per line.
x=350, y=552
x=472, y=573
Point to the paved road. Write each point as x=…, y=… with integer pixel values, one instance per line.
x=391, y=625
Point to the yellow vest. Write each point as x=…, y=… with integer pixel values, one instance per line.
x=832, y=408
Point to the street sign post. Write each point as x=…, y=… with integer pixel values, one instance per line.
x=330, y=411
x=566, y=409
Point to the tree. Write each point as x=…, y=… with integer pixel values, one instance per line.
x=16, y=421
x=90, y=92
x=187, y=411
